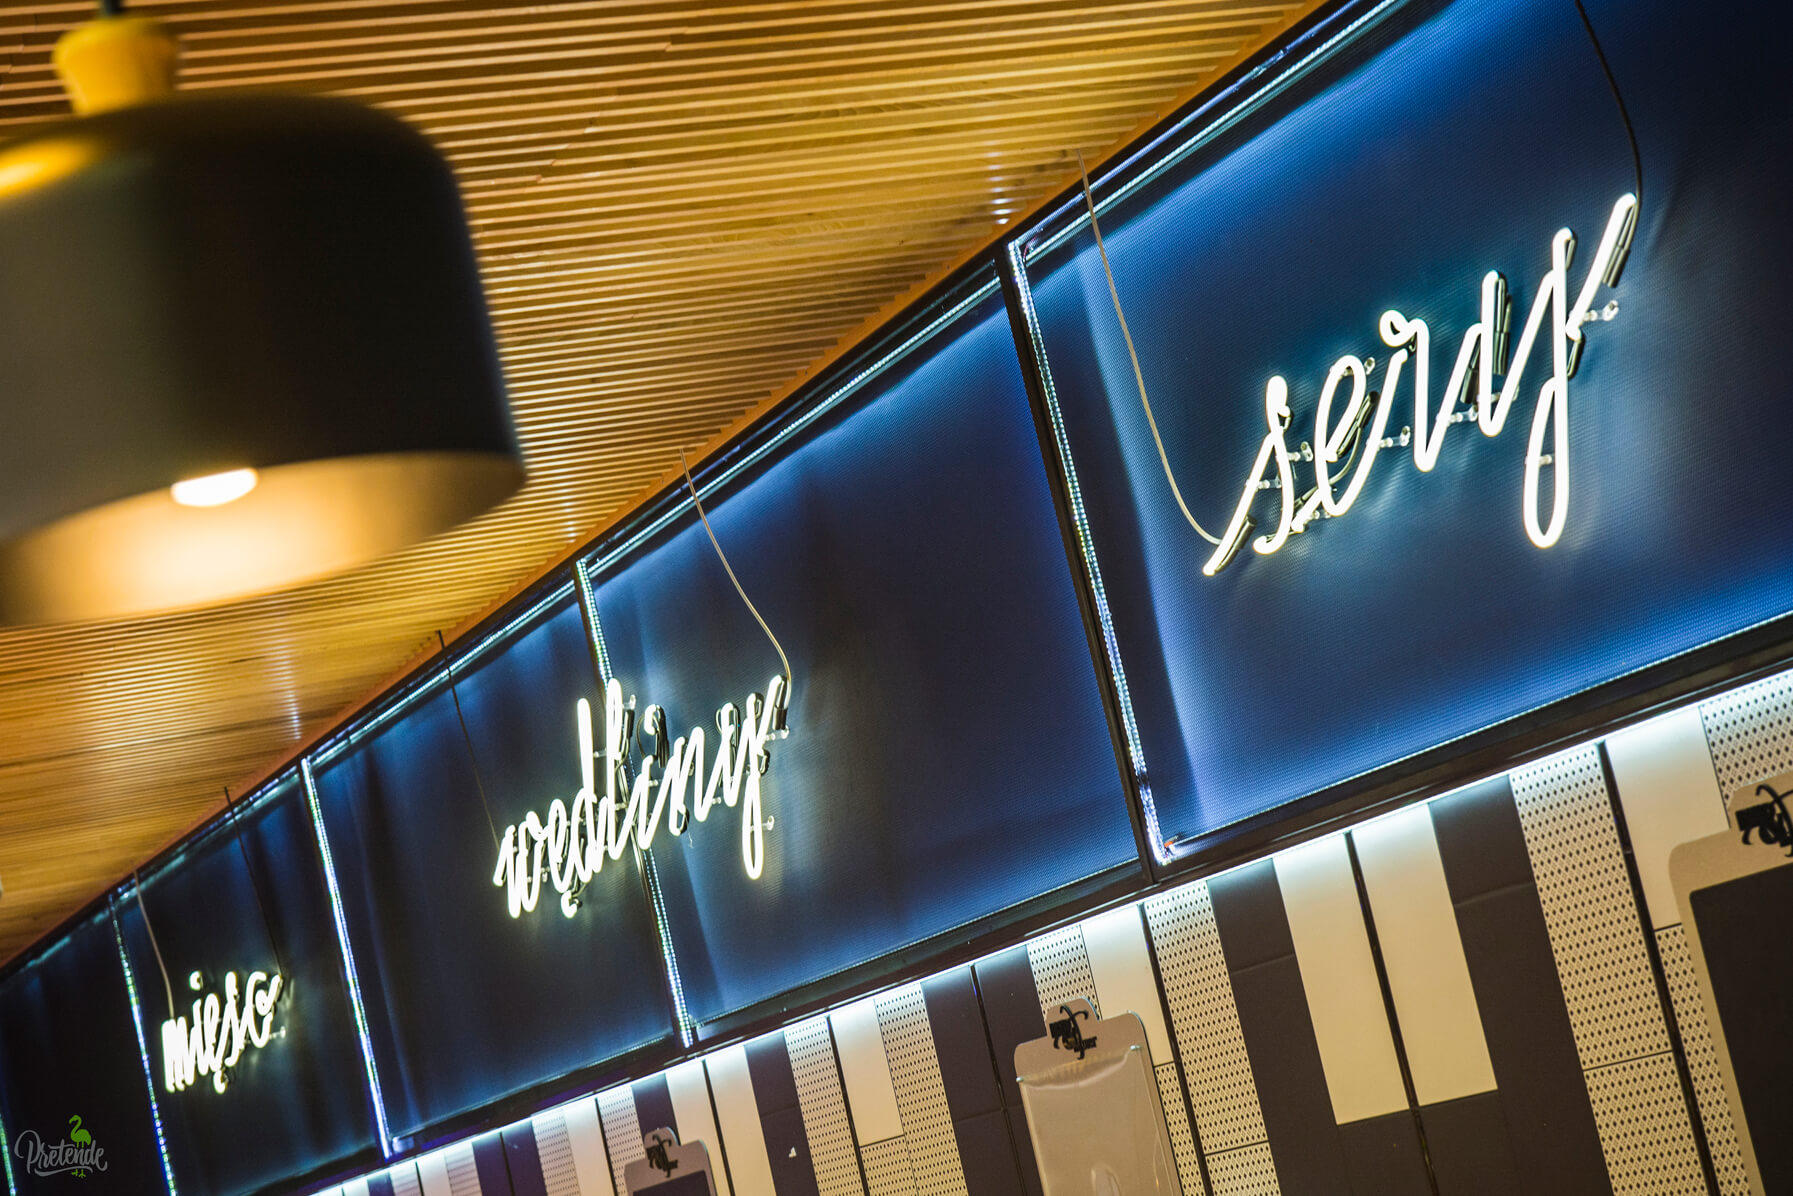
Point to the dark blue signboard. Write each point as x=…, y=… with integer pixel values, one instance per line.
x=948, y=756
x=1435, y=146
x=297, y=1088
x=465, y=1003
x=71, y=1074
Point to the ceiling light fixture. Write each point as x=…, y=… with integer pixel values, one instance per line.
x=214, y=490
x=243, y=342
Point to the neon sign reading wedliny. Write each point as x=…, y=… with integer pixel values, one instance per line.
x=1482, y=355
x=571, y=845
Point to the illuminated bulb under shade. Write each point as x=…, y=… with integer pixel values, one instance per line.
x=214, y=490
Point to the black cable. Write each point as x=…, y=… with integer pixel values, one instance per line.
x=472, y=759
x=261, y=906
x=1618, y=98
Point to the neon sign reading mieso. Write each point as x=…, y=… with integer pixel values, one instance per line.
x=215, y=1039
x=1356, y=435
x=570, y=846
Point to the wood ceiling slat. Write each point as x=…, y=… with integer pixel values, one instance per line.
x=680, y=208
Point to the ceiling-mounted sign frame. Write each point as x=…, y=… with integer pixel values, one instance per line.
x=1327, y=219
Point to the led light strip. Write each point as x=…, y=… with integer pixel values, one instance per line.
x=602, y=562
x=1240, y=108
x=348, y=959
x=12, y=1186
x=155, y=1111
x=354, y=734
x=1163, y=852
x=594, y=630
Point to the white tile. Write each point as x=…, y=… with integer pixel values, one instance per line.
x=590, y=1162
x=1338, y=975
x=1670, y=795
x=1416, y=926
x=742, y=1135
x=871, y=1095
x=1122, y=966
x=690, y=1093
x=432, y=1170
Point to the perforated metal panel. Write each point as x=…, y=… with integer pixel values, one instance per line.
x=887, y=1168
x=1596, y=935
x=1595, y=931
x=1750, y=731
x=622, y=1132
x=1205, y=1021
x=463, y=1174
x=1702, y=1062
x=1182, y=1138
x=1061, y=970
x=824, y=1106
x=555, y=1149
x=920, y=1093
x=1247, y=1171
x=1641, y=1113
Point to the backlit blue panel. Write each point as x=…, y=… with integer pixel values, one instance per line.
x=68, y=1051
x=466, y=1004
x=948, y=755
x=1448, y=141
x=303, y=1098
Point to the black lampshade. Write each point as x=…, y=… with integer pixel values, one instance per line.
x=194, y=287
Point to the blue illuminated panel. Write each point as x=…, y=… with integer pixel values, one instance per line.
x=465, y=1004
x=302, y=1099
x=948, y=756
x=68, y=1048
x=1440, y=144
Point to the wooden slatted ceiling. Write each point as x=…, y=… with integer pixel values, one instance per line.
x=681, y=209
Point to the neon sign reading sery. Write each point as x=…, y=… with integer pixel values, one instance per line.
x=1356, y=434
x=215, y=1039
x=570, y=845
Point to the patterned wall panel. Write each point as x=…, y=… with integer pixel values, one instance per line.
x=622, y=1131
x=1229, y=1123
x=920, y=1092
x=1702, y=1062
x=1061, y=970
x=1603, y=964
x=1750, y=731
x=555, y=1148
x=824, y=1108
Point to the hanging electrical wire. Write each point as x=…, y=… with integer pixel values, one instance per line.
x=167, y=988
x=748, y=602
x=261, y=906
x=1138, y=377
x=473, y=760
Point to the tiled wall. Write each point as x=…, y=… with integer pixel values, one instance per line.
x=1462, y=997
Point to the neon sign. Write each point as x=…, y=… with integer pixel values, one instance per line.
x=220, y=1030
x=1357, y=434
x=570, y=845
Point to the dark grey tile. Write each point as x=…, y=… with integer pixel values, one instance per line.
x=1543, y=1093
x=1383, y=1156
x=1481, y=840
x=1285, y=1061
x=787, y=1148
x=1011, y=1012
x=1471, y=1152
x=986, y=1155
x=769, y=1066
x=966, y=1068
x=1248, y=908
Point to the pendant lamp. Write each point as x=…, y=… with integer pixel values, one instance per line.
x=243, y=343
